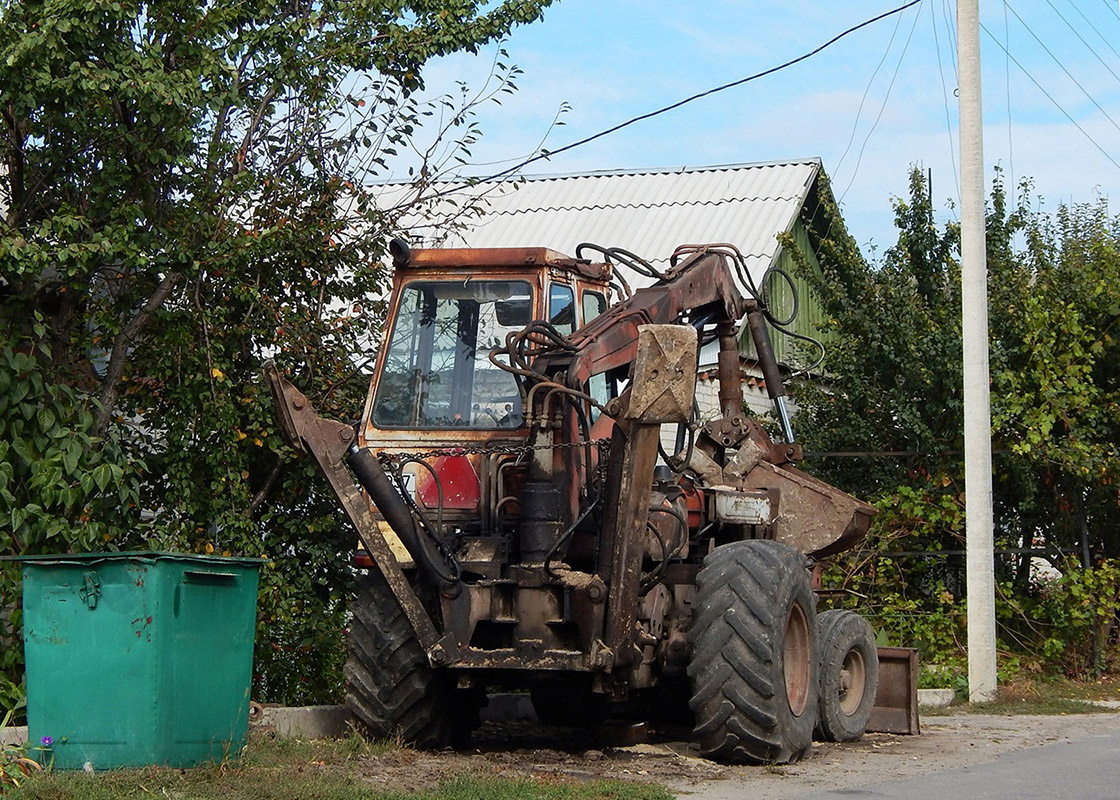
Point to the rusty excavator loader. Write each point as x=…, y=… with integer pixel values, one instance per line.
x=521, y=530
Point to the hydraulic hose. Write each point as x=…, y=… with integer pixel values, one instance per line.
x=392, y=506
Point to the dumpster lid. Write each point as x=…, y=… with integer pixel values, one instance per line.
x=132, y=555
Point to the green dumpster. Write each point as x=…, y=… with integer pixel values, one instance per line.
x=138, y=658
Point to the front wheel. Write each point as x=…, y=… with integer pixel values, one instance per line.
x=390, y=687
x=754, y=659
x=849, y=675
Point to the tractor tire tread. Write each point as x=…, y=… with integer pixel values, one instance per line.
x=745, y=591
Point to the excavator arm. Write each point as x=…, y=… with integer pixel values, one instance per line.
x=332, y=446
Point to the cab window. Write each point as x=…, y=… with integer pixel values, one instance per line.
x=437, y=372
x=594, y=304
x=562, y=308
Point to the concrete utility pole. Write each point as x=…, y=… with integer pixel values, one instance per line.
x=977, y=406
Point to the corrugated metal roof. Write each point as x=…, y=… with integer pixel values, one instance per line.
x=646, y=212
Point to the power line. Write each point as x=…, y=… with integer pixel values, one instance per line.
x=1112, y=8
x=945, y=97
x=588, y=139
x=867, y=90
x=1007, y=89
x=1069, y=75
x=951, y=34
x=882, y=108
x=1088, y=46
x=1050, y=97
x=1093, y=27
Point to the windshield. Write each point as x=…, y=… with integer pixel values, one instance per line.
x=437, y=371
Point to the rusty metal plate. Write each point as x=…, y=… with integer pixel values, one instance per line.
x=485, y=257
x=664, y=378
x=896, y=701
x=816, y=518
x=742, y=507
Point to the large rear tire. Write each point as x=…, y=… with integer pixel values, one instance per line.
x=754, y=659
x=390, y=687
x=849, y=675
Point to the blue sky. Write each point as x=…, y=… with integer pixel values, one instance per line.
x=869, y=106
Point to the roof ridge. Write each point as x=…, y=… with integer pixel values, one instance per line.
x=664, y=204
x=682, y=170
x=470, y=181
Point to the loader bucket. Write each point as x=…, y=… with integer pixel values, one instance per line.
x=812, y=516
x=896, y=702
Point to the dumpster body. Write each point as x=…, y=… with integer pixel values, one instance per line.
x=138, y=658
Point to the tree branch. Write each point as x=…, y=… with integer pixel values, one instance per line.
x=262, y=493
x=243, y=153
x=110, y=388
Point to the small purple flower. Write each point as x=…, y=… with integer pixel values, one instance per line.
x=47, y=741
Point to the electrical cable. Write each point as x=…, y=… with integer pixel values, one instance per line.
x=951, y=37
x=882, y=108
x=1051, y=98
x=866, y=91
x=945, y=98
x=1069, y=75
x=1088, y=46
x=1007, y=88
x=545, y=154
x=1094, y=28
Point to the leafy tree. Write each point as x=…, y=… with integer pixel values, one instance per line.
x=187, y=187
x=892, y=390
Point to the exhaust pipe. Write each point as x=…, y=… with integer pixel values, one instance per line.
x=400, y=251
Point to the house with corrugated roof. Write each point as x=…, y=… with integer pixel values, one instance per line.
x=650, y=213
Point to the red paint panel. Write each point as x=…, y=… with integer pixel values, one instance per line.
x=460, y=484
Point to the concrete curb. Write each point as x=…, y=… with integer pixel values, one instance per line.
x=306, y=722
x=303, y=722
x=13, y=736
x=935, y=698
x=325, y=722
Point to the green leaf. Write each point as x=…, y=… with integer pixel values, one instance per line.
x=102, y=475
x=46, y=419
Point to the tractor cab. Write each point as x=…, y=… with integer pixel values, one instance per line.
x=448, y=310
x=438, y=391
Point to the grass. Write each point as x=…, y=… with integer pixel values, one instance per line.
x=314, y=770
x=1041, y=696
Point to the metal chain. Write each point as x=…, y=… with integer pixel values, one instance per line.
x=391, y=459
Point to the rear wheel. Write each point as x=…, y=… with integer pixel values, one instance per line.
x=849, y=675
x=390, y=687
x=754, y=661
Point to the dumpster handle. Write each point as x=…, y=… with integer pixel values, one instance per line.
x=193, y=576
x=91, y=589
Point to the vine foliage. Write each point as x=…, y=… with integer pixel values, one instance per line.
x=890, y=388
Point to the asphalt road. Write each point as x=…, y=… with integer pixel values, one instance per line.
x=1086, y=769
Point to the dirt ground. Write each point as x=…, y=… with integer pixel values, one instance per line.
x=526, y=749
